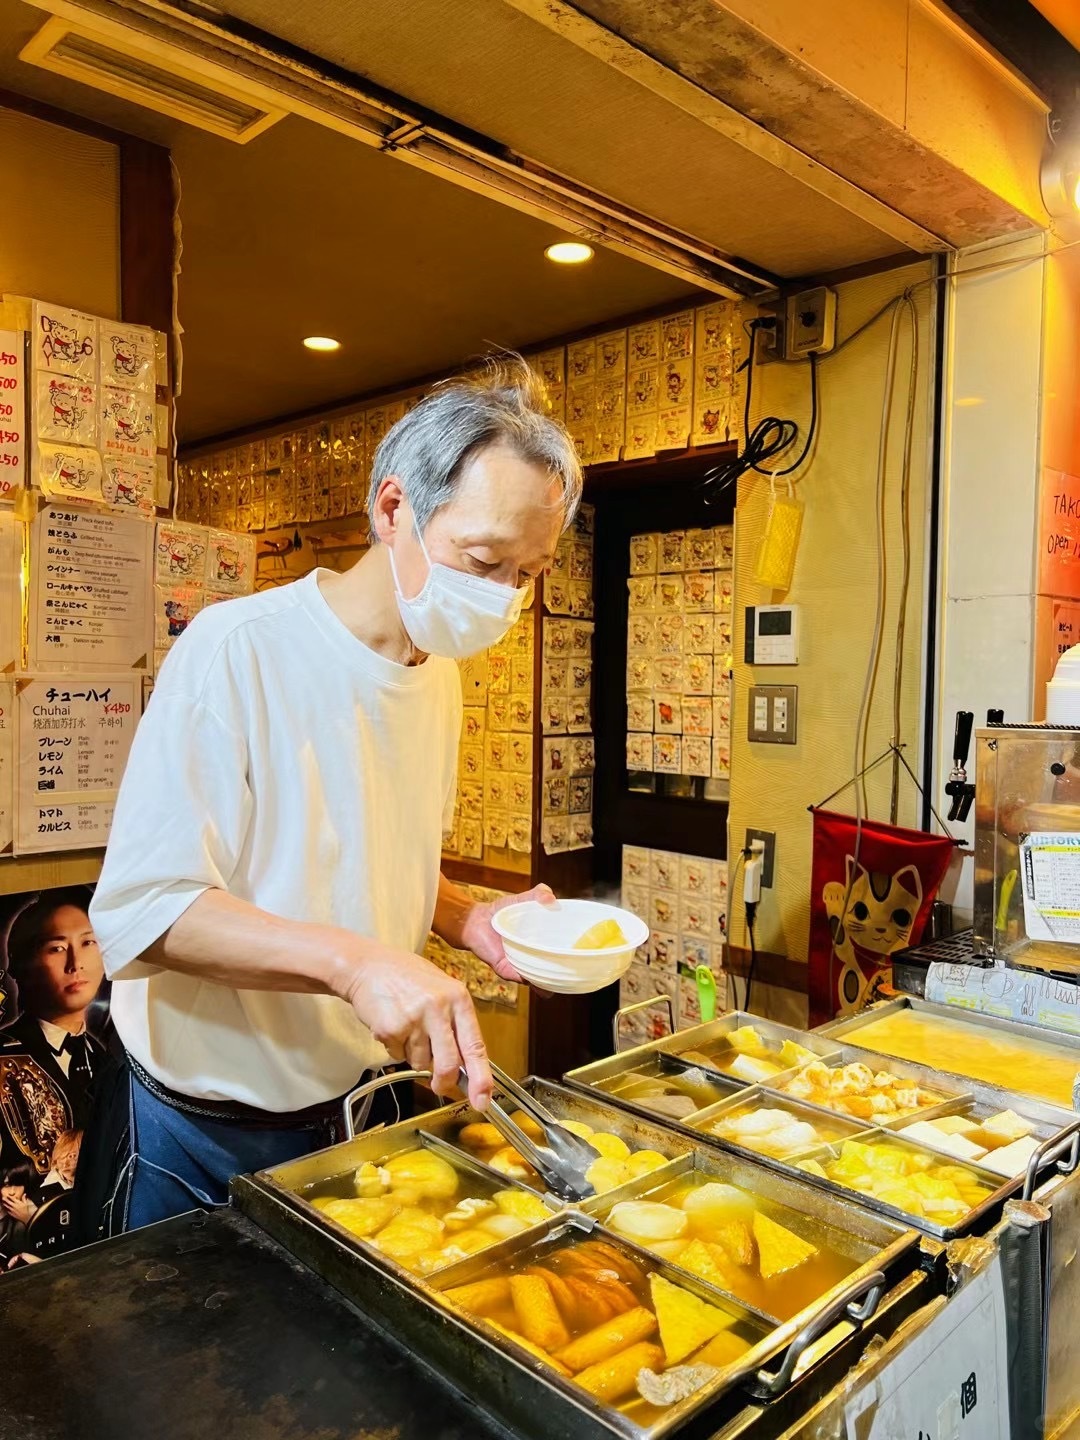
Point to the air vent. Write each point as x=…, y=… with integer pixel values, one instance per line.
x=161, y=77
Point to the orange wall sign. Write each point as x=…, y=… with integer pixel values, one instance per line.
x=1059, y=535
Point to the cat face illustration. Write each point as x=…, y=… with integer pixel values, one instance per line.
x=881, y=908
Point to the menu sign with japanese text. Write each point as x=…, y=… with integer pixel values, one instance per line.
x=12, y=413
x=90, y=590
x=73, y=738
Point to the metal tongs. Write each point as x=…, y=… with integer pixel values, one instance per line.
x=562, y=1162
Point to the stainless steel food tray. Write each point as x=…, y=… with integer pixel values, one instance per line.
x=953, y=1090
x=847, y=1029
x=311, y=1172
x=1058, y=1154
x=872, y=1241
x=649, y=1062
x=760, y=1095
x=522, y=1391
x=772, y=1033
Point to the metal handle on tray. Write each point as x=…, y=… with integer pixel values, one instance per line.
x=367, y=1092
x=1067, y=1145
x=621, y=1015
x=857, y=1302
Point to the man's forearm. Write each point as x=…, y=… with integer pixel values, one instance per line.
x=452, y=910
x=234, y=943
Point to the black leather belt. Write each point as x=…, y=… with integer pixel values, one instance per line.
x=326, y=1117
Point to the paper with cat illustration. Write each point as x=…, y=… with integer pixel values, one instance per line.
x=872, y=887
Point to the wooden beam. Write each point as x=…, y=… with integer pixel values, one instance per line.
x=147, y=243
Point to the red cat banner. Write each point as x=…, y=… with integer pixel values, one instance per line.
x=870, y=896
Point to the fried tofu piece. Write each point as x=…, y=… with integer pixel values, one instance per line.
x=737, y=1242
x=779, y=1250
x=686, y=1322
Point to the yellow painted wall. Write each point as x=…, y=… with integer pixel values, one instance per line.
x=834, y=584
x=60, y=241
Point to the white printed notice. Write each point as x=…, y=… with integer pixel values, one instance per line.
x=1050, y=870
x=7, y=765
x=73, y=737
x=950, y=1381
x=90, y=576
x=12, y=413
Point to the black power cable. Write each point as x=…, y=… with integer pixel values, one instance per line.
x=751, y=920
x=769, y=438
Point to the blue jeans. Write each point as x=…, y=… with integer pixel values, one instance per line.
x=182, y=1162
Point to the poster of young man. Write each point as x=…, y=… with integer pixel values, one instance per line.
x=52, y=1012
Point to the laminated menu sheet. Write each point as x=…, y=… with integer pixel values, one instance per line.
x=73, y=735
x=1050, y=874
x=90, y=578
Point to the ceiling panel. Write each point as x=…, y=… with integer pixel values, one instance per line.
x=518, y=82
x=303, y=231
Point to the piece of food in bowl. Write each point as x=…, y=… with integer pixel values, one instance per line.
x=604, y=935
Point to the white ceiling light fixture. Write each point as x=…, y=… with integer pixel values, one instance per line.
x=121, y=62
x=569, y=252
x=323, y=343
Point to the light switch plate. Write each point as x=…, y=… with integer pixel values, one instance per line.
x=780, y=706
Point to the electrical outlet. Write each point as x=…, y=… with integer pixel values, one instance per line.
x=769, y=344
x=768, y=863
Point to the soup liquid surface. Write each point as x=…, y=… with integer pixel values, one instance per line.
x=1030, y=1067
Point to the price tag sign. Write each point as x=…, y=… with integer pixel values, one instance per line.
x=12, y=413
x=74, y=734
x=950, y=1381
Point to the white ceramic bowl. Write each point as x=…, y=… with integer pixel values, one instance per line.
x=539, y=942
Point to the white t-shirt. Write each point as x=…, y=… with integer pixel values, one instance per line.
x=283, y=761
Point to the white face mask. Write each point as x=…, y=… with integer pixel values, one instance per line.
x=457, y=615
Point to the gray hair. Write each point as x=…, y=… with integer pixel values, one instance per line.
x=505, y=403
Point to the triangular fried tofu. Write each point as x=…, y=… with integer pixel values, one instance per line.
x=699, y=1261
x=737, y=1241
x=686, y=1322
x=779, y=1249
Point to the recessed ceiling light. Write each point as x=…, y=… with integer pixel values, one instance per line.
x=321, y=342
x=569, y=252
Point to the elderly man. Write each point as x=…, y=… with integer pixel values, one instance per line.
x=274, y=863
